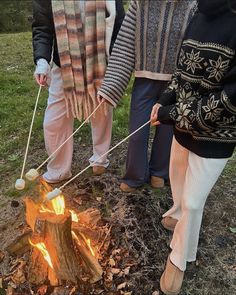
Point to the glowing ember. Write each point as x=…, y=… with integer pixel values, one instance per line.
x=74, y=216
x=42, y=248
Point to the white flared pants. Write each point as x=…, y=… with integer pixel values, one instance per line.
x=58, y=127
x=192, y=178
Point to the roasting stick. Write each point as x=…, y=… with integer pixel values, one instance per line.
x=57, y=191
x=32, y=174
x=20, y=183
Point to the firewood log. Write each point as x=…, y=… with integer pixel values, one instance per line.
x=55, y=232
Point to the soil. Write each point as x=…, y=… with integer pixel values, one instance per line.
x=135, y=256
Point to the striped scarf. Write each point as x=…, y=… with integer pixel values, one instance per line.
x=81, y=47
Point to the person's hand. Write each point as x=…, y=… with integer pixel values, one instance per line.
x=41, y=79
x=154, y=114
x=102, y=99
x=41, y=72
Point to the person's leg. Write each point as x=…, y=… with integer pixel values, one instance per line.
x=178, y=166
x=144, y=96
x=160, y=155
x=57, y=128
x=201, y=176
x=101, y=125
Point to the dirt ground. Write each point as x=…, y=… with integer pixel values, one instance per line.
x=139, y=244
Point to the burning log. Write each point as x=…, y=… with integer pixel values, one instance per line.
x=90, y=216
x=38, y=269
x=19, y=245
x=55, y=231
x=62, y=250
x=89, y=260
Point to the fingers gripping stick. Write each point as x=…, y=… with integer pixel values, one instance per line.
x=32, y=174
x=20, y=183
x=57, y=191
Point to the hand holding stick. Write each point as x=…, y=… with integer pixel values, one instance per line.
x=154, y=115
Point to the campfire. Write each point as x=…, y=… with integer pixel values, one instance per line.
x=64, y=242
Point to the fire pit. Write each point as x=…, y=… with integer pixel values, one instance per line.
x=65, y=242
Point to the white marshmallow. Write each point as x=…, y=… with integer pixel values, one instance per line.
x=53, y=194
x=32, y=174
x=20, y=184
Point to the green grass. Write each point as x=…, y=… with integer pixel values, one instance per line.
x=18, y=91
x=230, y=169
x=14, y=15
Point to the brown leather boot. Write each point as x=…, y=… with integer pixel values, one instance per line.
x=157, y=182
x=171, y=279
x=169, y=223
x=98, y=170
x=126, y=188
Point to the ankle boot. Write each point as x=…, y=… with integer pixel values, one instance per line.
x=169, y=223
x=171, y=279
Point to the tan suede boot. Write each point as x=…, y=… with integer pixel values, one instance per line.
x=169, y=223
x=98, y=170
x=171, y=279
x=157, y=182
x=126, y=188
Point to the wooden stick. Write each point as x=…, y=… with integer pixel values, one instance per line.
x=30, y=131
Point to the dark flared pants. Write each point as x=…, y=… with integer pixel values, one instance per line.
x=138, y=167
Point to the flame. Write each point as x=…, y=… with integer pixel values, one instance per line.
x=89, y=245
x=42, y=248
x=75, y=237
x=88, y=242
x=45, y=209
x=58, y=205
x=74, y=216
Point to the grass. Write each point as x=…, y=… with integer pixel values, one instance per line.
x=18, y=91
x=14, y=15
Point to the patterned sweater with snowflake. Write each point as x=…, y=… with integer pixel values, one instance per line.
x=201, y=97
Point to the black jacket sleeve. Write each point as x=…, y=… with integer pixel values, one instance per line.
x=42, y=30
x=120, y=14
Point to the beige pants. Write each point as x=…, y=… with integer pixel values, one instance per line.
x=58, y=127
x=192, y=178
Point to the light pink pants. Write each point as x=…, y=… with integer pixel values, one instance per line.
x=58, y=127
x=192, y=178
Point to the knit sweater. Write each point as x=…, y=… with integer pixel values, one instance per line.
x=148, y=42
x=201, y=98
